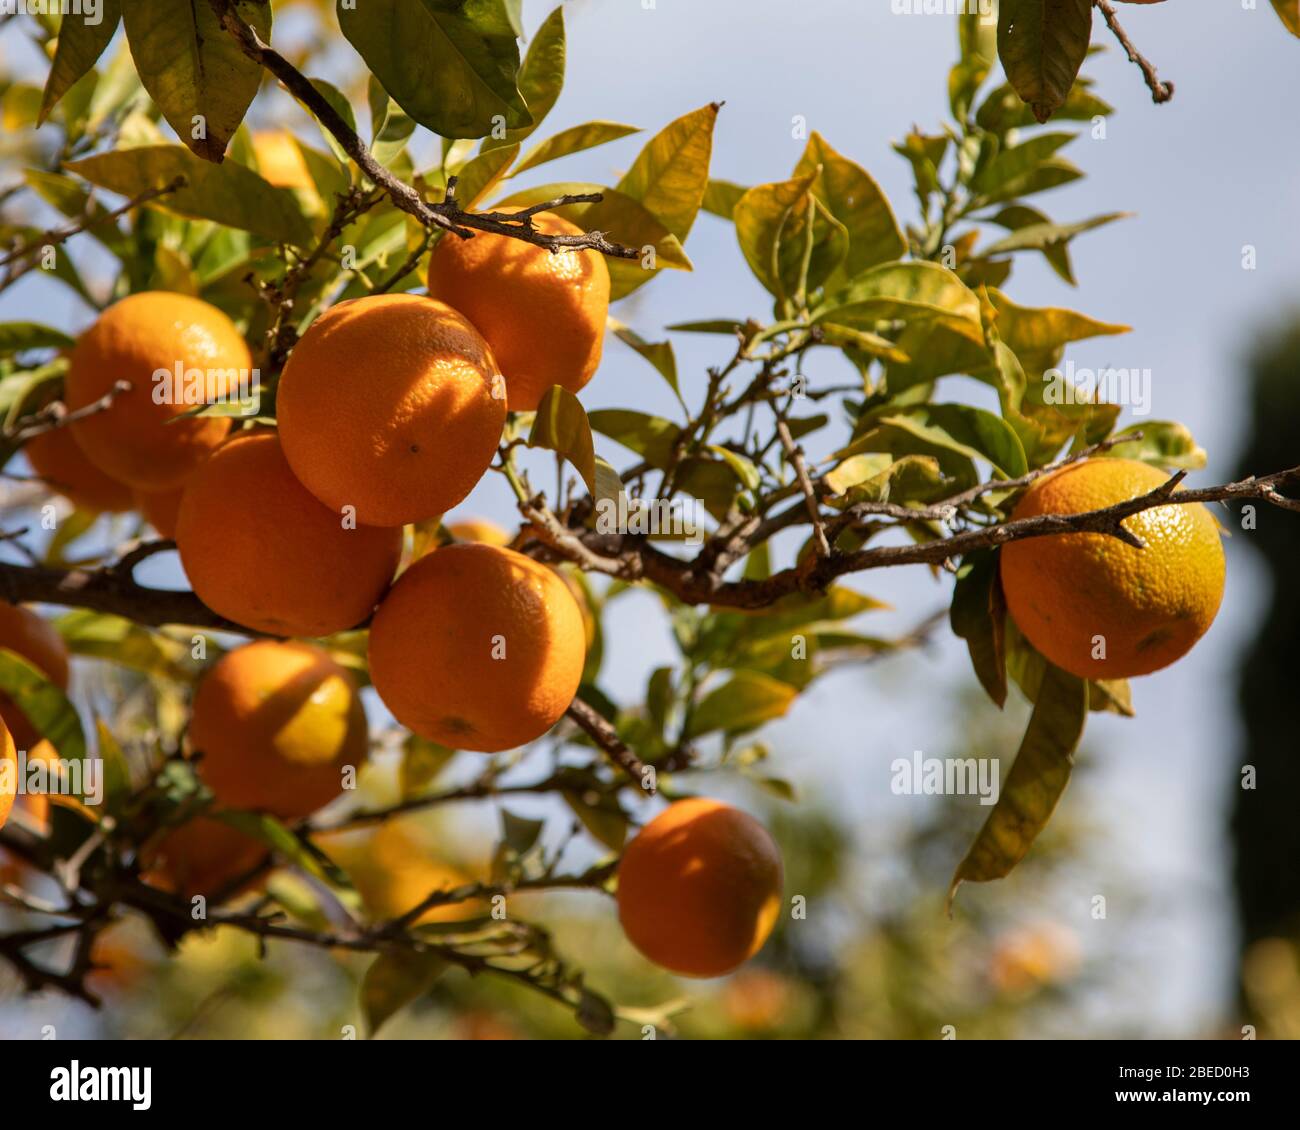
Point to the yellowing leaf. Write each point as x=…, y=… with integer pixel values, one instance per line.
x=857, y=202
x=1030, y=792
x=744, y=702
x=574, y=140
x=194, y=69
x=226, y=194
x=671, y=173
x=80, y=44
x=561, y=425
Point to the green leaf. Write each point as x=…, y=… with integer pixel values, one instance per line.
x=18, y=337
x=450, y=65
x=962, y=429
x=923, y=292
x=651, y=437
x=601, y=816
x=1002, y=177
x=194, y=69
x=79, y=47
x=978, y=616
x=391, y=126
x=1037, y=334
x=574, y=140
x=422, y=761
x=519, y=833
x=102, y=635
x=744, y=702
x=791, y=244
x=1289, y=13
x=227, y=194
x=338, y=100
x=395, y=979
x=977, y=36
x=1032, y=231
x=658, y=353
x=721, y=197
x=1031, y=790
x=857, y=202
x=1003, y=110
x=541, y=78
x=746, y=473
x=47, y=708
x=116, y=781
x=1164, y=443
x=1042, y=45
x=561, y=425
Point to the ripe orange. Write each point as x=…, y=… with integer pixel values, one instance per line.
x=276, y=722
x=261, y=551
x=280, y=161
x=57, y=458
x=387, y=405
x=477, y=647
x=200, y=857
x=542, y=314
x=479, y=529
x=133, y=339
x=699, y=888
x=1073, y=595
x=160, y=508
x=36, y=640
x=8, y=773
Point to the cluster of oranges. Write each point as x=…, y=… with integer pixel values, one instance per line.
x=388, y=412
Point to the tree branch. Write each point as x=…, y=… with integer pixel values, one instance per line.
x=447, y=215
x=1160, y=91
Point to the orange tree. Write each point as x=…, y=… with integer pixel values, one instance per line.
x=310, y=348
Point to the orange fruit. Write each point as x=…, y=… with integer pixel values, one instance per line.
x=36, y=640
x=261, y=551
x=160, y=508
x=280, y=161
x=479, y=529
x=8, y=773
x=57, y=458
x=276, y=723
x=477, y=647
x=386, y=404
x=200, y=857
x=699, y=888
x=144, y=334
x=1071, y=595
x=542, y=314
x=393, y=874
x=37, y=804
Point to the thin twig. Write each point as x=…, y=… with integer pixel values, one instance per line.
x=1160, y=91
